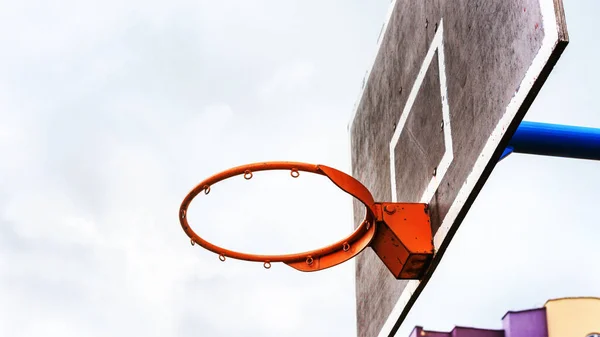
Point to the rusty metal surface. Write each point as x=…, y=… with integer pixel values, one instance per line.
x=489, y=46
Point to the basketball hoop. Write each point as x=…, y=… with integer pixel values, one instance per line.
x=314, y=260
x=399, y=233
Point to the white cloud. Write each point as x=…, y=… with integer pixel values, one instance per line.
x=111, y=111
x=288, y=80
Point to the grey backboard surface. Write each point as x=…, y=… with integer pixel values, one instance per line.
x=449, y=85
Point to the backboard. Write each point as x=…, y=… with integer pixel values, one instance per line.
x=449, y=85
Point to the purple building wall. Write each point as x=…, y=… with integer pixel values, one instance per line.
x=472, y=332
x=419, y=332
x=457, y=332
x=526, y=323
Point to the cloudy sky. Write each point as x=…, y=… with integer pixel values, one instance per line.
x=110, y=111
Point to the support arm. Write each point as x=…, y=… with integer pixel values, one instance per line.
x=555, y=140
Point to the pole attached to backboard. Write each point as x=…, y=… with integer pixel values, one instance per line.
x=555, y=140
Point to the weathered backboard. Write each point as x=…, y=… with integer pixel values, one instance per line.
x=449, y=85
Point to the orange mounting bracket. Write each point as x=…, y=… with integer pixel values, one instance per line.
x=399, y=233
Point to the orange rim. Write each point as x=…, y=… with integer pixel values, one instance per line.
x=313, y=260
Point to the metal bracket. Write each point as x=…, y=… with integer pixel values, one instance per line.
x=403, y=239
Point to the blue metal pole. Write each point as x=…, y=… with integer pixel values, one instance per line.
x=555, y=140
